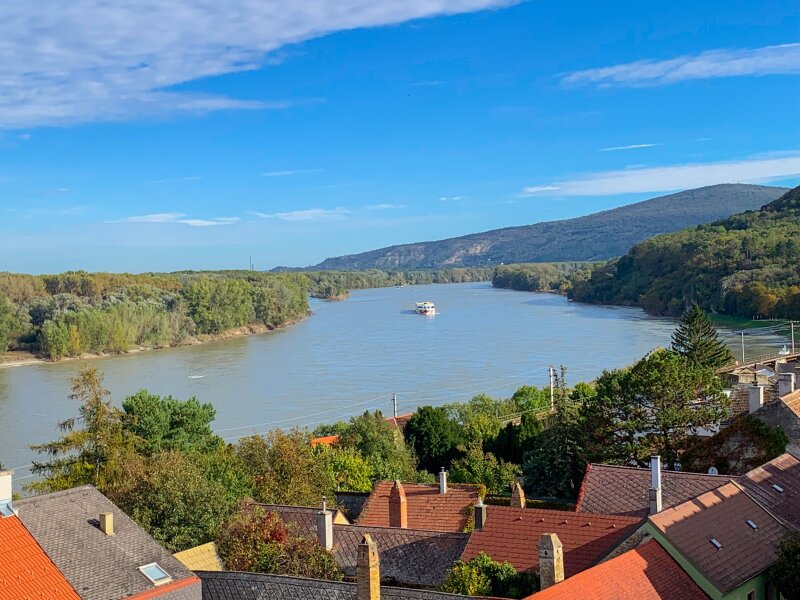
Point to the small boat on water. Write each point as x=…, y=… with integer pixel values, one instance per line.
x=425, y=308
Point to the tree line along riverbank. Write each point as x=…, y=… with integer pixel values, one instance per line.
x=76, y=314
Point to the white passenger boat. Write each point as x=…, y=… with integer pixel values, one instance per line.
x=425, y=308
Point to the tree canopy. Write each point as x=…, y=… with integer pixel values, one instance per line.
x=697, y=339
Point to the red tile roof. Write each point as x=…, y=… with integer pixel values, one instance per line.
x=512, y=534
x=723, y=515
x=26, y=572
x=644, y=573
x=616, y=490
x=399, y=422
x=782, y=501
x=427, y=508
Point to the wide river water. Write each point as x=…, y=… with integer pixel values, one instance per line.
x=348, y=357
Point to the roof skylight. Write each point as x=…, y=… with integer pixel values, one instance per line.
x=155, y=574
x=777, y=488
x=752, y=524
x=716, y=543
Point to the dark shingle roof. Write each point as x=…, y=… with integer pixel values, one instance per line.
x=230, y=585
x=427, y=508
x=98, y=566
x=512, y=534
x=408, y=556
x=351, y=503
x=723, y=515
x=644, y=573
x=783, y=472
x=616, y=490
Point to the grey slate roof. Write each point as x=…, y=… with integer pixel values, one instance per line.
x=351, y=503
x=408, y=556
x=99, y=567
x=231, y=585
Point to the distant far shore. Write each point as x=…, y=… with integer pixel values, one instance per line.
x=21, y=358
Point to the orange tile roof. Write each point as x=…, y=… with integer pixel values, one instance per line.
x=512, y=534
x=399, y=422
x=325, y=440
x=722, y=515
x=427, y=508
x=26, y=572
x=644, y=573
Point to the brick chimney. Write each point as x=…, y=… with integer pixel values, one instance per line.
x=787, y=383
x=517, y=495
x=6, y=509
x=442, y=481
x=551, y=560
x=654, y=493
x=398, y=507
x=368, y=573
x=107, y=523
x=755, y=399
x=325, y=526
x=480, y=515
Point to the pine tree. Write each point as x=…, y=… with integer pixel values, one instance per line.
x=696, y=339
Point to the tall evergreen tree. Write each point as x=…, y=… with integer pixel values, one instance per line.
x=696, y=339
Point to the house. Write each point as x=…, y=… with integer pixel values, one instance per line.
x=616, y=490
x=442, y=507
x=776, y=486
x=513, y=534
x=95, y=547
x=647, y=572
x=419, y=558
x=785, y=413
x=257, y=586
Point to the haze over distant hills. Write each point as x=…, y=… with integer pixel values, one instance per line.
x=594, y=237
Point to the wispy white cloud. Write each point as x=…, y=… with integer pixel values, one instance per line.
x=769, y=60
x=289, y=173
x=451, y=198
x=178, y=218
x=175, y=179
x=308, y=214
x=92, y=60
x=629, y=147
x=763, y=169
x=385, y=206
x=428, y=83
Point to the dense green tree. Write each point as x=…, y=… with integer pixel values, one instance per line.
x=94, y=447
x=514, y=440
x=785, y=571
x=477, y=466
x=10, y=324
x=697, y=339
x=166, y=423
x=381, y=444
x=351, y=471
x=434, y=436
x=482, y=576
x=256, y=541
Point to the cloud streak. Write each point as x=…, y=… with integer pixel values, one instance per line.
x=177, y=218
x=308, y=214
x=674, y=177
x=629, y=147
x=91, y=60
x=769, y=60
x=289, y=173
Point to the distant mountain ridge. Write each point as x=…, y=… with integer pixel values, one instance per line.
x=597, y=236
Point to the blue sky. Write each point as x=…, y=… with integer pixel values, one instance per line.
x=150, y=135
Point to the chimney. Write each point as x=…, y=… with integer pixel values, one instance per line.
x=480, y=515
x=442, y=481
x=398, y=507
x=517, y=495
x=654, y=493
x=786, y=384
x=107, y=523
x=6, y=510
x=755, y=397
x=551, y=560
x=325, y=526
x=368, y=573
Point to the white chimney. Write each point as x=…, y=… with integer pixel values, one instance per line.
x=480, y=515
x=325, y=526
x=442, y=481
x=787, y=383
x=654, y=493
x=755, y=398
x=6, y=510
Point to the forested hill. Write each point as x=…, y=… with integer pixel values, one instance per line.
x=594, y=237
x=747, y=265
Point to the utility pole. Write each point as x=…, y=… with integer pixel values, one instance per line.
x=552, y=372
x=742, y=347
x=394, y=405
x=793, y=350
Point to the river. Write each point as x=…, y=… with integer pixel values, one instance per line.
x=348, y=357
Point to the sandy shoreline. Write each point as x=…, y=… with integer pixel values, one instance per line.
x=19, y=358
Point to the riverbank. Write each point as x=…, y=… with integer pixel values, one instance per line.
x=19, y=358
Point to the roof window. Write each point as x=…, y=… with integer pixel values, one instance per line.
x=752, y=524
x=716, y=543
x=777, y=488
x=155, y=574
